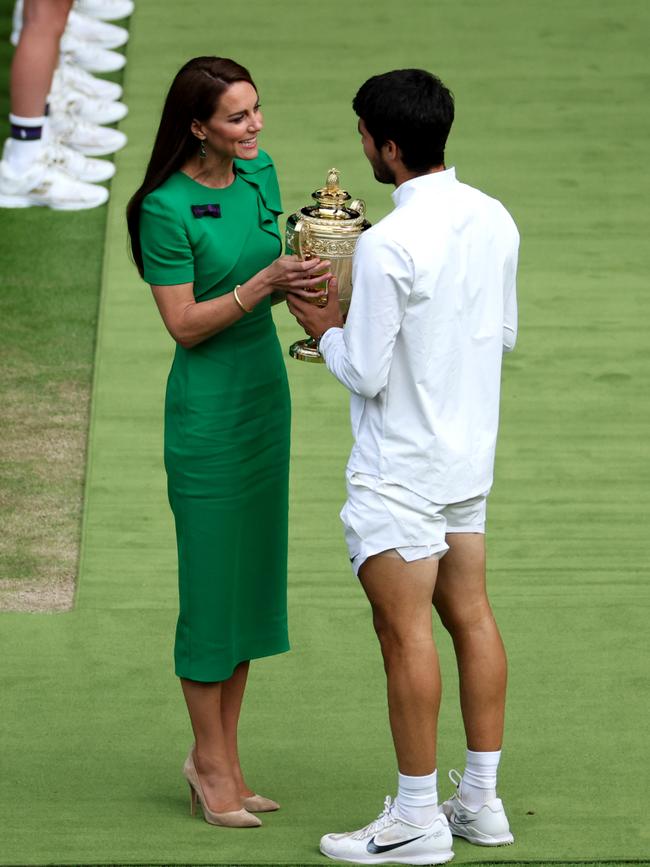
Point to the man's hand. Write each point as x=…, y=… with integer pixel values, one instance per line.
x=316, y=320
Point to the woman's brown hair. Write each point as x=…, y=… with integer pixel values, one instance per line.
x=193, y=95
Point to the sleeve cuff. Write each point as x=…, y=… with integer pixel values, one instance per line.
x=168, y=277
x=327, y=339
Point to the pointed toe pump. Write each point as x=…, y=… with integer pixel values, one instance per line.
x=259, y=804
x=232, y=819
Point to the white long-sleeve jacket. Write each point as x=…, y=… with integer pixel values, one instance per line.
x=433, y=309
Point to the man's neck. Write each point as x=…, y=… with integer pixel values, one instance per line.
x=402, y=174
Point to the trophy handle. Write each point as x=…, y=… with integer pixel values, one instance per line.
x=302, y=248
x=301, y=240
x=359, y=206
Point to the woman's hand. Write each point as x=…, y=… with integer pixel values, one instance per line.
x=298, y=276
x=190, y=322
x=287, y=275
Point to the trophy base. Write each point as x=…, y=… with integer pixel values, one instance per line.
x=306, y=350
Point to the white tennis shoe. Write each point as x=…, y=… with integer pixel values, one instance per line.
x=68, y=77
x=98, y=32
x=89, y=139
x=487, y=826
x=91, y=171
x=86, y=28
x=105, y=10
x=45, y=186
x=90, y=56
x=92, y=109
x=391, y=840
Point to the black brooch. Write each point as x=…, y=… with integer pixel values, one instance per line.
x=206, y=210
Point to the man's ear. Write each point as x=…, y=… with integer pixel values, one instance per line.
x=391, y=151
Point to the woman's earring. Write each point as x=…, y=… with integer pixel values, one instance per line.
x=202, y=152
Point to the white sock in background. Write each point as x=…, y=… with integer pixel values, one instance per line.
x=25, y=145
x=479, y=783
x=417, y=798
x=46, y=134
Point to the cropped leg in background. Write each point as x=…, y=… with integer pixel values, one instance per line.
x=55, y=128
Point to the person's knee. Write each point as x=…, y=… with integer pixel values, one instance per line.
x=397, y=636
x=463, y=616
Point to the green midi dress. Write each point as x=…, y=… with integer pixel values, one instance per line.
x=227, y=423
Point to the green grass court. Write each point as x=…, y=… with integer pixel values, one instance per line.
x=552, y=119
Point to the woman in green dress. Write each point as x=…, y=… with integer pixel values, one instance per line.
x=204, y=234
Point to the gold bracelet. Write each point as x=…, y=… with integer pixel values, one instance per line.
x=238, y=299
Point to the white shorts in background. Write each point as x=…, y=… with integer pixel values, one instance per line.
x=380, y=516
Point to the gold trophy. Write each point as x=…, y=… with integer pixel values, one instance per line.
x=330, y=230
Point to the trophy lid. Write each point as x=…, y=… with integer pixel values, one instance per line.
x=331, y=201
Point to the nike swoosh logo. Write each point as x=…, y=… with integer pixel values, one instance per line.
x=456, y=820
x=375, y=848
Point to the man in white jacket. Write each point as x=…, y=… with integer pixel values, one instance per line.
x=433, y=310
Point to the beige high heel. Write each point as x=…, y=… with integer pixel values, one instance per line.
x=233, y=819
x=259, y=804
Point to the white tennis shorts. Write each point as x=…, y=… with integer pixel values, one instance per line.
x=381, y=516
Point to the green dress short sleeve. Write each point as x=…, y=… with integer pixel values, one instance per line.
x=166, y=250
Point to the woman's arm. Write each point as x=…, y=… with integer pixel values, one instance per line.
x=190, y=322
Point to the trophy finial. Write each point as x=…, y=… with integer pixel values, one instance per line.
x=331, y=196
x=333, y=179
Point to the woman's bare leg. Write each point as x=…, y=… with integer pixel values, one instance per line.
x=232, y=695
x=211, y=753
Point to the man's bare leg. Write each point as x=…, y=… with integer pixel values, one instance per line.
x=400, y=595
x=460, y=598
x=412, y=830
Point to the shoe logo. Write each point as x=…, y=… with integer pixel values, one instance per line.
x=376, y=848
x=462, y=819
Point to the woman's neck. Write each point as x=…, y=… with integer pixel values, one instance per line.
x=211, y=171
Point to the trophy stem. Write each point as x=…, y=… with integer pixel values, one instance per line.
x=306, y=350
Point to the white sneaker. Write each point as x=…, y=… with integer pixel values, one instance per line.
x=98, y=32
x=99, y=111
x=105, y=10
x=44, y=186
x=487, y=826
x=79, y=26
x=391, y=840
x=90, y=56
x=70, y=77
x=82, y=168
x=89, y=139
x=17, y=22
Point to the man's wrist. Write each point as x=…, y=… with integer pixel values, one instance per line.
x=326, y=336
x=329, y=325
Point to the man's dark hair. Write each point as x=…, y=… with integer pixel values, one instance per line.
x=411, y=107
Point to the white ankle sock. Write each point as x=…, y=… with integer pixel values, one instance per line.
x=22, y=154
x=417, y=798
x=479, y=783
